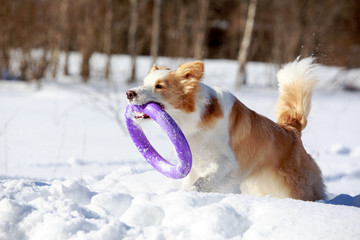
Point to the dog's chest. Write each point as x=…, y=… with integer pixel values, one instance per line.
x=211, y=147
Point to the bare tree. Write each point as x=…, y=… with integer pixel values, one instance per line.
x=108, y=35
x=201, y=30
x=86, y=38
x=58, y=34
x=182, y=28
x=245, y=44
x=286, y=34
x=134, y=19
x=66, y=64
x=38, y=68
x=5, y=38
x=155, y=32
x=66, y=31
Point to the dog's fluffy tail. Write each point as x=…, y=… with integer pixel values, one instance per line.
x=296, y=83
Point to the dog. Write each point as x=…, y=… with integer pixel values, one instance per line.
x=235, y=149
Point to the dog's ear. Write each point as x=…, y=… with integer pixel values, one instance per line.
x=192, y=70
x=154, y=68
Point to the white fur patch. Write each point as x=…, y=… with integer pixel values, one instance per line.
x=151, y=78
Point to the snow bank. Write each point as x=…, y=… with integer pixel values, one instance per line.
x=148, y=206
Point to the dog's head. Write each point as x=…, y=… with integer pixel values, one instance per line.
x=170, y=89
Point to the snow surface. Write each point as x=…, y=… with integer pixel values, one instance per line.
x=67, y=171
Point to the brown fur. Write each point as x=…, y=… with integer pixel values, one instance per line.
x=261, y=145
x=211, y=114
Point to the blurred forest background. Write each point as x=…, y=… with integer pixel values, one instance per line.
x=281, y=31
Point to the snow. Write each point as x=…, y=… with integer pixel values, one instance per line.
x=67, y=171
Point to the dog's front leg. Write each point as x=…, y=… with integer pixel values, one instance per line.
x=217, y=179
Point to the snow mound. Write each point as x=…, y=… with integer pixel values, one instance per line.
x=355, y=152
x=340, y=149
x=346, y=200
x=74, y=210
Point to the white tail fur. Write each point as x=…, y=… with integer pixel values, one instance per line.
x=296, y=83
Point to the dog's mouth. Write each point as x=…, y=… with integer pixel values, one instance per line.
x=145, y=116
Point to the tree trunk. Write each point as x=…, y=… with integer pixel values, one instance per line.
x=245, y=44
x=155, y=32
x=5, y=70
x=57, y=35
x=39, y=67
x=182, y=29
x=24, y=64
x=87, y=40
x=134, y=18
x=66, y=64
x=85, y=65
x=201, y=30
x=5, y=41
x=66, y=35
x=55, y=61
x=108, y=35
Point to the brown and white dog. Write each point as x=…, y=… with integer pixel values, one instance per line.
x=233, y=146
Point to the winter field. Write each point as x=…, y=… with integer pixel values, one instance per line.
x=68, y=170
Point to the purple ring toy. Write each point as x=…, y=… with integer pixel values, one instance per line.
x=173, y=131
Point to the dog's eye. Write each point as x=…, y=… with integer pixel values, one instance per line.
x=158, y=86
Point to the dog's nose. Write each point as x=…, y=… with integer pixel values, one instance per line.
x=130, y=94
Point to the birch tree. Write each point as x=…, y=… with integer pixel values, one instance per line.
x=155, y=31
x=134, y=19
x=245, y=44
x=86, y=39
x=59, y=35
x=201, y=30
x=182, y=28
x=108, y=35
